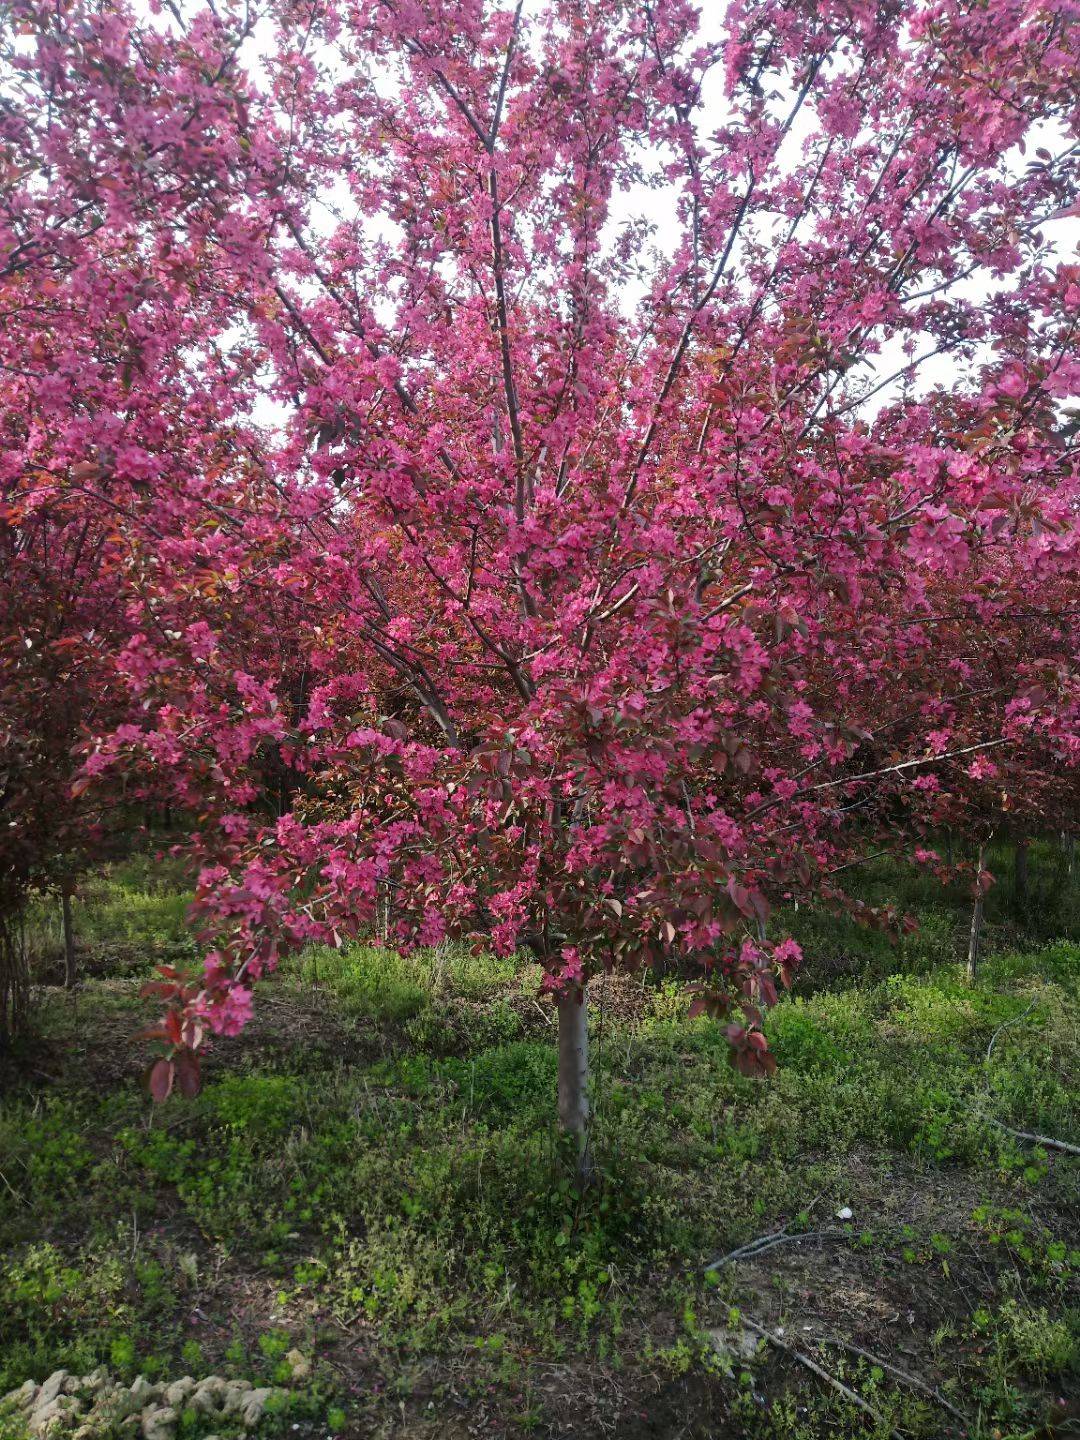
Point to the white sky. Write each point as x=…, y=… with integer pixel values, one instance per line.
x=656, y=206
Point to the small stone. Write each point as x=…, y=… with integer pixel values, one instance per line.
x=42, y=1421
x=254, y=1405
x=178, y=1392
x=299, y=1364
x=235, y=1400
x=74, y=1407
x=53, y=1416
x=732, y=1345
x=845, y=1213
x=52, y=1387
x=23, y=1397
x=43, y=1417
x=121, y=1402
x=158, y=1423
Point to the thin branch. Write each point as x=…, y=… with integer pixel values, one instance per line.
x=502, y=318
x=877, y=774
x=496, y=119
x=769, y=1242
x=683, y=344
x=1048, y=1141
x=862, y=860
x=818, y=1370
x=501, y=308
x=1006, y=1023
x=729, y=601
x=886, y=1365
x=741, y=1251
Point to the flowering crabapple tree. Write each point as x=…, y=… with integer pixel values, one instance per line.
x=56, y=582
x=611, y=555
x=115, y=400
x=988, y=672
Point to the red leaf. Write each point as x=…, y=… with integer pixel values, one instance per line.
x=188, y=1075
x=159, y=1079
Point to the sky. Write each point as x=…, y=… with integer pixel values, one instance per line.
x=656, y=206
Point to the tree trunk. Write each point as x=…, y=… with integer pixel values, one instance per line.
x=976, y=920
x=70, y=972
x=384, y=890
x=1068, y=843
x=14, y=980
x=1020, y=872
x=949, y=848
x=574, y=1075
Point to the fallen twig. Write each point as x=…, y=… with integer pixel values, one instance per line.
x=1047, y=1140
x=749, y=1248
x=890, y=1368
x=753, y=1248
x=1006, y=1023
x=15, y=1194
x=818, y=1370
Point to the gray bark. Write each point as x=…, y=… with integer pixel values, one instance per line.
x=574, y=1112
x=382, y=911
x=14, y=979
x=1020, y=871
x=976, y=921
x=70, y=970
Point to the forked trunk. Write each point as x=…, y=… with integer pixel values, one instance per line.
x=70, y=972
x=976, y=920
x=574, y=1115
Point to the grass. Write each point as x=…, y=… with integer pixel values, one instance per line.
x=839, y=948
x=373, y=1175
x=126, y=916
